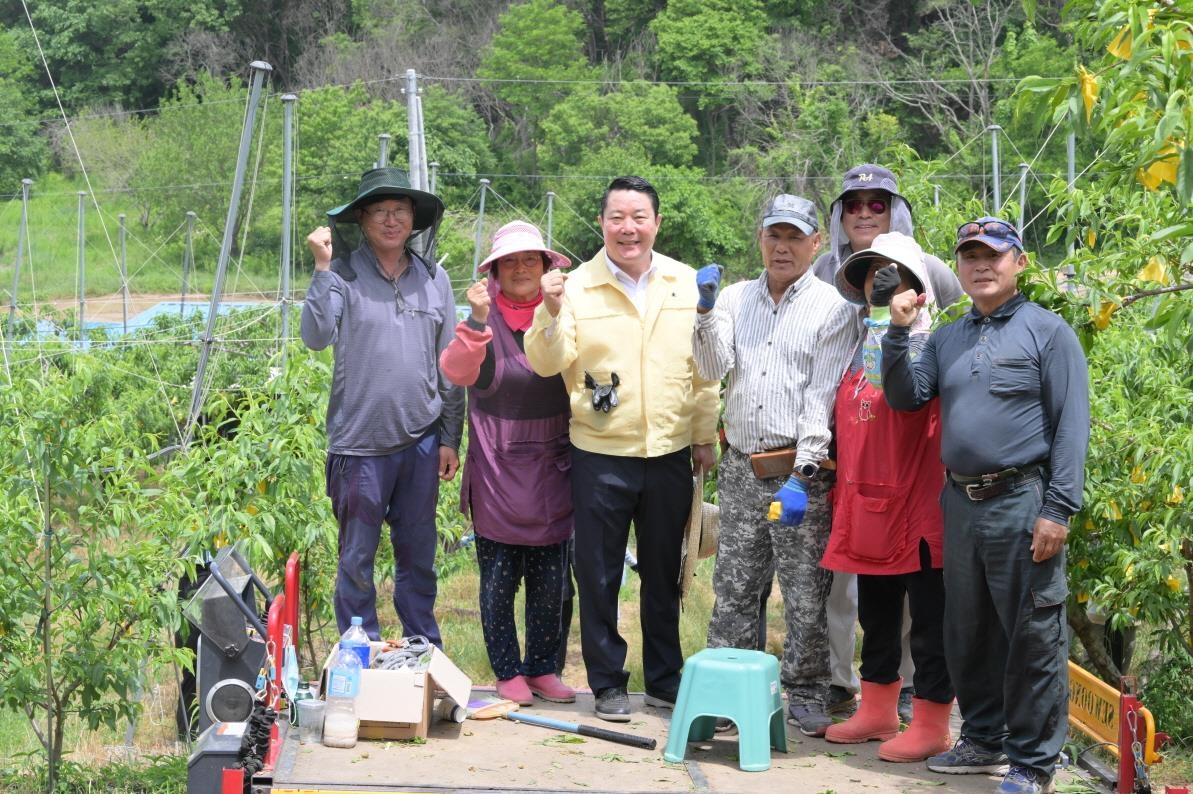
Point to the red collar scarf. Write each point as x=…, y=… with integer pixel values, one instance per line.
x=518, y=316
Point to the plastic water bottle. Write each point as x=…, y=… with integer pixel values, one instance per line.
x=356, y=639
x=343, y=685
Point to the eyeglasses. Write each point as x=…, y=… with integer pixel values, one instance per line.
x=999, y=229
x=876, y=206
x=380, y=214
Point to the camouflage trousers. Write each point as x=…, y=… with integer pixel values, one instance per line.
x=750, y=548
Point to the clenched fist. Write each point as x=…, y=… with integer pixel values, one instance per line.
x=905, y=307
x=552, y=285
x=479, y=300
x=319, y=241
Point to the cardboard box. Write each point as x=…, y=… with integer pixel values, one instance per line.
x=399, y=704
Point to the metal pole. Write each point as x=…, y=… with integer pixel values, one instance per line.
x=422, y=143
x=260, y=69
x=550, y=215
x=188, y=260
x=1071, y=148
x=480, y=228
x=1022, y=194
x=123, y=273
x=288, y=101
x=936, y=195
x=434, y=165
x=22, y=230
x=995, y=177
x=413, y=130
x=82, y=266
x=382, y=146
x=1071, y=175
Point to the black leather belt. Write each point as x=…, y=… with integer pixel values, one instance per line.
x=987, y=486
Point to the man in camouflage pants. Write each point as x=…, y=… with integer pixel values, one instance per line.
x=784, y=340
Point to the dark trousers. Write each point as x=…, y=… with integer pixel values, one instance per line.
x=400, y=489
x=1004, y=626
x=656, y=495
x=880, y=611
x=503, y=567
x=565, y=609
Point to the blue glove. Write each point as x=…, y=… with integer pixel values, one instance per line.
x=708, y=281
x=793, y=497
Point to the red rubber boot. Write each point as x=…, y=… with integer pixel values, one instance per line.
x=877, y=718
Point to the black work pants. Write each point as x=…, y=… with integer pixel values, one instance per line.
x=609, y=492
x=880, y=612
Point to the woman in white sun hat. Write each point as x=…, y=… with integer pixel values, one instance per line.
x=887, y=525
x=515, y=484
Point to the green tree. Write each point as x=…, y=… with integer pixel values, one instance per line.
x=190, y=155
x=636, y=115
x=538, y=49
x=104, y=53
x=1130, y=300
x=88, y=600
x=786, y=145
x=23, y=150
x=715, y=45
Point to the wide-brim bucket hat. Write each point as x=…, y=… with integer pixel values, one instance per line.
x=391, y=182
x=892, y=246
x=701, y=535
x=516, y=237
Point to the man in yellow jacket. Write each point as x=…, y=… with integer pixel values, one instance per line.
x=620, y=333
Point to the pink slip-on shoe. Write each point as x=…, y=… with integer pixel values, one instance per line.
x=550, y=688
x=515, y=689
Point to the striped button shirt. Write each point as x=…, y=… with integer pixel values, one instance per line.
x=784, y=361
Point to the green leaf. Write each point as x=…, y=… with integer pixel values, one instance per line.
x=1169, y=232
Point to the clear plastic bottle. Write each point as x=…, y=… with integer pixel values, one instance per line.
x=343, y=685
x=356, y=638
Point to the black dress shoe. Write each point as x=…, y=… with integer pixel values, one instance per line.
x=613, y=704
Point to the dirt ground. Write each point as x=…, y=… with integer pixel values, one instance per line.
x=110, y=308
x=499, y=754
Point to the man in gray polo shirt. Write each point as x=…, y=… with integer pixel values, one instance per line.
x=1014, y=399
x=393, y=422
x=783, y=338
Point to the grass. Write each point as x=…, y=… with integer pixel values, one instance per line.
x=459, y=619
x=50, y=260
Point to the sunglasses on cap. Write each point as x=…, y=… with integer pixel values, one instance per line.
x=854, y=205
x=998, y=229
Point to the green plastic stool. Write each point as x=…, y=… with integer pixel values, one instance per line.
x=737, y=684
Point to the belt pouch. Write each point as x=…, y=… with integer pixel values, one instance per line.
x=773, y=463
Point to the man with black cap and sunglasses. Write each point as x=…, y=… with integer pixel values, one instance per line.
x=868, y=205
x=1014, y=399
x=393, y=421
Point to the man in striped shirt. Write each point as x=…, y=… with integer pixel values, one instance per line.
x=784, y=339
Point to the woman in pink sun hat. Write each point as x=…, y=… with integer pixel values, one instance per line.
x=515, y=485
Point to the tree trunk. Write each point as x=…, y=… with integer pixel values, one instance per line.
x=1093, y=641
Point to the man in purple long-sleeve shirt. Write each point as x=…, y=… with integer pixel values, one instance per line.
x=1014, y=399
x=393, y=422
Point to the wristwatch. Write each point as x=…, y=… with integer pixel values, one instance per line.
x=807, y=470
